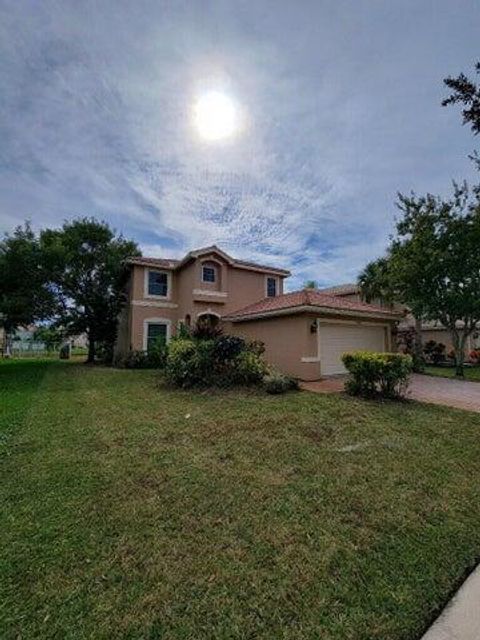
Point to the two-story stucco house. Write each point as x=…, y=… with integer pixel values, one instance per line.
x=305, y=332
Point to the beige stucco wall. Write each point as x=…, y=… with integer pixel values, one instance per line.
x=138, y=317
x=287, y=340
x=241, y=286
x=443, y=336
x=235, y=288
x=290, y=343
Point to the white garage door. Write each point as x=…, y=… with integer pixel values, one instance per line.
x=336, y=339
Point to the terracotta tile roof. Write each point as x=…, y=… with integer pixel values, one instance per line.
x=340, y=289
x=166, y=263
x=262, y=267
x=309, y=298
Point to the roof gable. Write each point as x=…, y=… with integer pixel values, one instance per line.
x=206, y=251
x=212, y=250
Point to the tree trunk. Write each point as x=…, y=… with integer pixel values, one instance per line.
x=418, y=346
x=91, y=350
x=458, y=340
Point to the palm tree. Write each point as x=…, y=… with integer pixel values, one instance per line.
x=377, y=283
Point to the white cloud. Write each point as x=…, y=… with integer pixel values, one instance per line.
x=95, y=119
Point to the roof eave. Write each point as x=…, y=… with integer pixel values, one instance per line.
x=196, y=254
x=147, y=263
x=259, y=269
x=314, y=309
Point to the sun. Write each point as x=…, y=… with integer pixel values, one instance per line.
x=215, y=116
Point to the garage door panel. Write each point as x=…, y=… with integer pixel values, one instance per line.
x=337, y=339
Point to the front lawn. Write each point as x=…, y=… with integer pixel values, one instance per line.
x=471, y=373
x=132, y=511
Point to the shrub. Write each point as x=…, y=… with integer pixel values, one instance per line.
x=221, y=362
x=202, y=362
x=133, y=360
x=154, y=359
x=247, y=368
x=104, y=352
x=228, y=347
x=256, y=346
x=434, y=352
x=204, y=329
x=383, y=374
x=275, y=383
x=475, y=356
x=183, y=332
x=183, y=361
x=405, y=339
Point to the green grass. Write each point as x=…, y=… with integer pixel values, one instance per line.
x=132, y=511
x=471, y=373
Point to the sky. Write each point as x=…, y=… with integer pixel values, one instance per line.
x=339, y=103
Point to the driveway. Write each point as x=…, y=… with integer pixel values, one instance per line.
x=452, y=393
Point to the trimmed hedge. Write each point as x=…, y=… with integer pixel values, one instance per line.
x=377, y=374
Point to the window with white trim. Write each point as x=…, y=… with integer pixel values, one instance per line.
x=156, y=334
x=271, y=287
x=208, y=273
x=158, y=283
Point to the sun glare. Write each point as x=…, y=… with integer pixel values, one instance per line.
x=215, y=116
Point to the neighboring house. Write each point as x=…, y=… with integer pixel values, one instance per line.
x=305, y=332
x=430, y=330
x=23, y=341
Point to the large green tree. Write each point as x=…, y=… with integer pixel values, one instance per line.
x=86, y=263
x=432, y=265
x=51, y=335
x=26, y=294
x=467, y=93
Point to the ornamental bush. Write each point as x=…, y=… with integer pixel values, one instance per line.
x=228, y=347
x=377, y=374
x=187, y=362
x=222, y=362
x=276, y=383
x=155, y=358
x=434, y=352
x=247, y=368
x=475, y=356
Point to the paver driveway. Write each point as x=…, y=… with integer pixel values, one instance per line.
x=453, y=393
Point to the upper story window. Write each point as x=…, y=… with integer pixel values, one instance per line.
x=208, y=273
x=157, y=283
x=271, y=287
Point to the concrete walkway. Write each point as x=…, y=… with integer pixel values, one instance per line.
x=461, y=394
x=460, y=620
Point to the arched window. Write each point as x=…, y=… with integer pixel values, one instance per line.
x=207, y=318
